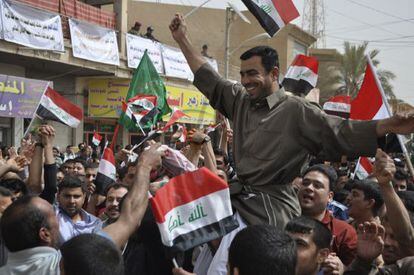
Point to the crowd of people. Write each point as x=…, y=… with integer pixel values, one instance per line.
x=290, y=168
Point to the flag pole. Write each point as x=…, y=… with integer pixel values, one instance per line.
x=35, y=112
x=195, y=9
x=399, y=137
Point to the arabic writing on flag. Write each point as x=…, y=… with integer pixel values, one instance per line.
x=302, y=75
x=192, y=209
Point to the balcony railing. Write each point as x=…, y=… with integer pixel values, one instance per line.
x=75, y=9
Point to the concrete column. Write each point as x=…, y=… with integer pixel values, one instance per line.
x=77, y=134
x=18, y=131
x=120, y=9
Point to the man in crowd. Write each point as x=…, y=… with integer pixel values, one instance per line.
x=274, y=133
x=400, y=180
x=260, y=249
x=114, y=196
x=314, y=194
x=30, y=227
x=313, y=242
x=73, y=220
x=365, y=202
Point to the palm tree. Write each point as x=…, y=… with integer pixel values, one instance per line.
x=347, y=75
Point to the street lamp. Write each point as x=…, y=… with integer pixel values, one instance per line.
x=230, y=13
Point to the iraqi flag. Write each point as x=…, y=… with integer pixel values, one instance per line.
x=192, y=209
x=272, y=14
x=302, y=75
x=369, y=104
x=106, y=171
x=141, y=109
x=175, y=116
x=364, y=168
x=55, y=107
x=339, y=105
x=96, y=139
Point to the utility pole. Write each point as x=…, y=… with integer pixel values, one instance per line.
x=314, y=20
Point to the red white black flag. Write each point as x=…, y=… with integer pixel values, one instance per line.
x=339, y=105
x=55, y=107
x=96, y=139
x=106, y=171
x=302, y=75
x=175, y=116
x=369, y=104
x=193, y=208
x=272, y=14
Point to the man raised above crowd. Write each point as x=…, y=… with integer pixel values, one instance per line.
x=274, y=133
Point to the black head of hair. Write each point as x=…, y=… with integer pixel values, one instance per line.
x=70, y=182
x=328, y=171
x=262, y=249
x=371, y=191
x=20, y=224
x=401, y=174
x=14, y=185
x=4, y=192
x=320, y=234
x=91, y=254
x=92, y=165
x=269, y=56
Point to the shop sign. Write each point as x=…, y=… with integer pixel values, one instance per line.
x=20, y=96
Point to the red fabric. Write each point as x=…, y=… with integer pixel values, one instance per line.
x=306, y=61
x=369, y=99
x=286, y=9
x=344, y=238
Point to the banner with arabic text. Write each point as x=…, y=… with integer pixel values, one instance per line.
x=94, y=43
x=175, y=63
x=20, y=96
x=106, y=96
x=31, y=27
x=136, y=47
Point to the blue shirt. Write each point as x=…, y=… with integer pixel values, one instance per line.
x=68, y=229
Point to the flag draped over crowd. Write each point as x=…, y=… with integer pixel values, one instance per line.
x=192, y=209
x=368, y=105
x=145, y=82
x=302, y=75
x=272, y=14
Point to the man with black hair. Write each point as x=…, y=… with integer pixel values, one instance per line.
x=79, y=166
x=400, y=180
x=73, y=220
x=274, y=133
x=365, y=202
x=68, y=166
x=6, y=198
x=264, y=250
x=313, y=241
x=114, y=195
x=314, y=194
x=16, y=186
x=91, y=254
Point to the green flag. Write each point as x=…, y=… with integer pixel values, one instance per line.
x=146, y=81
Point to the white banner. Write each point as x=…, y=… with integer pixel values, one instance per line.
x=1, y=19
x=31, y=27
x=175, y=63
x=93, y=43
x=136, y=47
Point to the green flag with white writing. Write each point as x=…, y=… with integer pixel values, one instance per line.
x=146, y=81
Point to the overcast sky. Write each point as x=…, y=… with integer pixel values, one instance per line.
x=387, y=25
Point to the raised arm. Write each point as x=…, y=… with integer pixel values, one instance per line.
x=397, y=214
x=47, y=133
x=178, y=29
x=136, y=201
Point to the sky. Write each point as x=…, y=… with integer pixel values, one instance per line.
x=387, y=25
